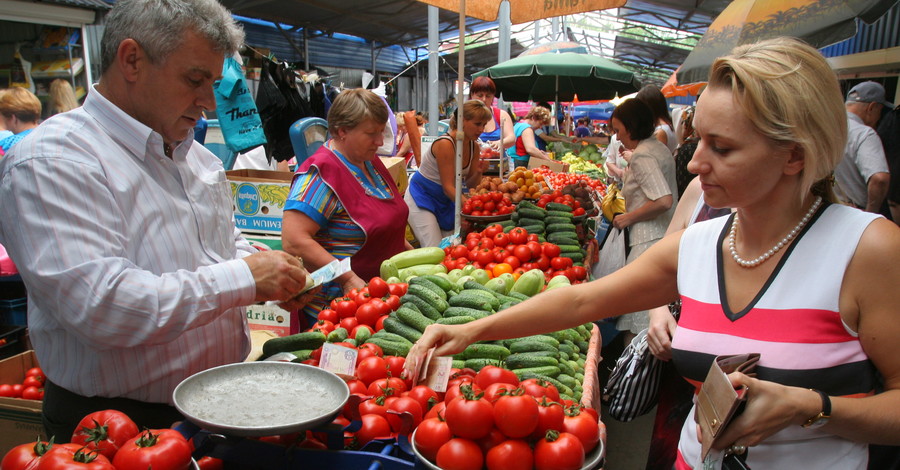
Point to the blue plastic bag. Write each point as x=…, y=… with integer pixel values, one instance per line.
x=238, y=116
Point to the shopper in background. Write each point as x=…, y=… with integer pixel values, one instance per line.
x=4, y=132
x=62, y=97
x=649, y=188
x=582, y=129
x=498, y=133
x=862, y=177
x=343, y=202
x=664, y=129
x=122, y=228
x=525, y=145
x=20, y=111
x=432, y=190
x=821, y=310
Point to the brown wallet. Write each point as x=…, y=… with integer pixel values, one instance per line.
x=718, y=402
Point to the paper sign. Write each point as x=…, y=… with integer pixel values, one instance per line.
x=338, y=359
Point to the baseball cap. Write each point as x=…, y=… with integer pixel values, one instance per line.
x=868, y=92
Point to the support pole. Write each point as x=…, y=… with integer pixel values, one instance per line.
x=433, y=115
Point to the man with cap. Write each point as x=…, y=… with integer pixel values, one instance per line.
x=862, y=177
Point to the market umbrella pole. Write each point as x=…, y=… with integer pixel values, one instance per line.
x=457, y=226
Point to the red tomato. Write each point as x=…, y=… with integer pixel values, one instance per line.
x=161, y=449
x=33, y=381
x=372, y=349
x=33, y=393
x=211, y=463
x=550, y=417
x=512, y=261
x=378, y=288
x=550, y=250
x=437, y=411
x=495, y=437
x=535, y=248
x=424, y=395
x=518, y=236
x=379, y=325
x=511, y=454
x=460, y=454
x=493, y=374
x=500, y=254
x=72, y=456
x=373, y=427
x=516, y=414
x=583, y=426
x=395, y=364
x=324, y=326
x=486, y=243
x=578, y=211
x=357, y=387
x=6, y=390
x=580, y=272
x=36, y=372
x=329, y=315
x=501, y=239
x=469, y=415
x=362, y=298
x=493, y=391
x=393, y=302
x=539, y=388
x=523, y=252
x=344, y=306
x=533, y=237
x=373, y=406
x=459, y=251
x=404, y=405
x=592, y=412
x=398, y=289
x=20, y=456
x=484, y=256
x=558, y=451
x=17, y=390
x=431, y=434
x=559, y=263
x=371, y=369
x=369, y=313
x=349, y=323
x=390, y=386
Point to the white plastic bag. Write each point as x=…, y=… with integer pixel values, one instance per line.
x=612, y=253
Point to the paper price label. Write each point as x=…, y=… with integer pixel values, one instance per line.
x=338, y=359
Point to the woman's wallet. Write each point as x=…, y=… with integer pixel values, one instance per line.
x=718, y=402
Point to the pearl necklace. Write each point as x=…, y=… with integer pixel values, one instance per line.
x=778, y=246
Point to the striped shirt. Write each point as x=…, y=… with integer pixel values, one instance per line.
x=131, y=259
x=794, y=323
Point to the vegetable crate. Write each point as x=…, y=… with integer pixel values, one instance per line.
x=20, y=420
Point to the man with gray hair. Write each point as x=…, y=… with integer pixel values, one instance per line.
x=862, y=177
x=122, y=227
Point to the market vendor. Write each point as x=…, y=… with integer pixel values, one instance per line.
x=432, y=190
x=525, y=146
x=122, y=228
x=498, y=133
x=343, y=202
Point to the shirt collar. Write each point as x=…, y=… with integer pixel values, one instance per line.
x=126, y=130
x=854, y=117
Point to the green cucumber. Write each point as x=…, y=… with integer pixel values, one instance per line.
x=526, y=360
x=391, y=348
x=465, y=312
x=555, y=206
x=531, y=213
x=362, y=334
x=523, y=221
x=557, y=220
x=549, y=371
x=458, y=320
x=384, y=334
x=470, y=300
x=430, y=285
x=396, y=326
x=302, y=355
x=413, y=318
x=429, y=296
x=422, y=305
x=526, y=204
x=560, y=387
x=522, y=346
x=517, y=295
x=565, y=214
x=444, y=283
x=296, y=342
x=337, y=335
x=479, y=362
x=486, y=351
x=458, y=364
x=553, y=228
x=534, y=229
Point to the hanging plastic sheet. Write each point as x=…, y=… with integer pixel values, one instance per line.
x=280, y=106
x=238, y=116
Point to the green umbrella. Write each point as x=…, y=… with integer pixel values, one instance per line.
x=559, y=77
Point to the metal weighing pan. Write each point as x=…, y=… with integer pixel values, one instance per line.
x=261, y=398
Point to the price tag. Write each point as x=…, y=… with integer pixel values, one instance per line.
x=338, y=359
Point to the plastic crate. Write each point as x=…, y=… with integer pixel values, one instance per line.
x=14, y=312
x=11, y=340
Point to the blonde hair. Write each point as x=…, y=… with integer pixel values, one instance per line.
x=21, y=103
x=540, y=114
x=352, y=107
x=472, y=109
x=791, y=96
x=62, y=96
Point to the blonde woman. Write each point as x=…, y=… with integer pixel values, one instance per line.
x=62, y=97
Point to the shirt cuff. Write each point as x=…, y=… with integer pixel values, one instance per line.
x=236, y=284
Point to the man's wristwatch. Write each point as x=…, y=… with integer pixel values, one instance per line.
x=822, y=418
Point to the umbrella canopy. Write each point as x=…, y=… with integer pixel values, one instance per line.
x=559, y=77
x=555, y=46
x=523, y=11
x=596, y=112
x=672, y=89
x=818, y=22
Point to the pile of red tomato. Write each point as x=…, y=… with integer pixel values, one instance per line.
x=362, y=308
x=560, y=180
x=558, y=197
x=108, y=440
x=491, y=420
x=515, y=252
x=490, y=203
x=31, y=388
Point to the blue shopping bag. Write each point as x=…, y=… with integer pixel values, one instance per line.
x=237, y=112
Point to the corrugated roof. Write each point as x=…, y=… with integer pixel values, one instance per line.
x=89, y=4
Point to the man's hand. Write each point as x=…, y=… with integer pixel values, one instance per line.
x=278, y=275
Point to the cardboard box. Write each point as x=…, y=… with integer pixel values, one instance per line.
x=559, y=167
x=396, y=166
x=20, y=420
x=269, y=317
x=258, y=197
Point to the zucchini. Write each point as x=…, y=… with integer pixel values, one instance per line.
x=391, y=348
x=420, y=270
x=458, y=320
x=485, y=351
x=555, y=206
x=415, y=257
x=526, y=360
x=413, y=318
x=565, y=214
x=422, y=305
x=394, y=325
x=531, y=213
x=305, y=340
x=388, y=270
x=430, y=285
x=465, y=312
x=522, y=346
x=549, y=371
x=337, y=335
